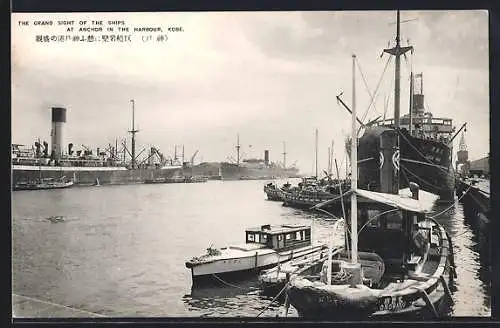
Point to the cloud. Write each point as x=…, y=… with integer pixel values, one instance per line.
x=269, y=76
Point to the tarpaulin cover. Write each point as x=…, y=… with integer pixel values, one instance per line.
x=404, y=200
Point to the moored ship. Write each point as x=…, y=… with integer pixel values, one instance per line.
x=425, y=147
x=256, y=168
x=84, y=166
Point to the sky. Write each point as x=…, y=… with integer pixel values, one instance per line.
x=269, y=77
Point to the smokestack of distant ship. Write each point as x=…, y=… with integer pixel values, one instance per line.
x=418, y=96
x=266, y=157
x=58, y=118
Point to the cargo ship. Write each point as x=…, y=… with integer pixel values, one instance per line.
x=424, y=154
x=84, y=167
x=248, y=169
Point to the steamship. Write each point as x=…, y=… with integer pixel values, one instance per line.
x=425, y=146
x=252, y=168
x=85, y=167
x=256, y=169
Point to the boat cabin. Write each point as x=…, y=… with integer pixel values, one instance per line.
x=280, y=237
x=393, y=227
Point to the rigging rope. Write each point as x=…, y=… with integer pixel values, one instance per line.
x=228, y=284
x=452, y=205
x=58, y=305
x=376, y=89
x=388, y=99
x=274, y=299
x=418, y=152
x=376, y=216
x=367, y=90
x=419, y=178
x=406, y=177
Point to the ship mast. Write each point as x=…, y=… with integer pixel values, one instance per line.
x=238, y=150
x=330, y=165
x=316, y=143
x=354, y=171
x=397, y=51
x=133, y=132
x=284, y=155
x=411, y=94
x=238, y=153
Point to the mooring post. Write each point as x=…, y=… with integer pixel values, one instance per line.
x=287, y=301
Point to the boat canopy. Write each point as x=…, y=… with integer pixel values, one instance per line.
x=404, y=200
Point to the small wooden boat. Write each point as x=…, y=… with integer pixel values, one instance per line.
x=177, y=179
x=405, y=261
x=265, y=247
x=56, y=219
x=44, y=183
x=310, y=193
x=272, y=281
x=155, y=180
x=273, y=192
x=196, y=179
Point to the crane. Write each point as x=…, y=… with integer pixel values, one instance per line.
x=456, y=134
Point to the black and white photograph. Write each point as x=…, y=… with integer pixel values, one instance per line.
x=326, y=165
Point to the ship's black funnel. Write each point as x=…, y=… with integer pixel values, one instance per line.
x=58, y=114
x=58, y=120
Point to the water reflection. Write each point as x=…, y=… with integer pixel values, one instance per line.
x=241, y=298
x=472, y=288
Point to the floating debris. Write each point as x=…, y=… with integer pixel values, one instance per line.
x=55, y=218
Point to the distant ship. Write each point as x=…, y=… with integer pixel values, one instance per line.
x=247, y=169
x=30, y=164
x=425, y=142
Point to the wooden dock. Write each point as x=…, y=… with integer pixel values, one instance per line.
x=28, y=307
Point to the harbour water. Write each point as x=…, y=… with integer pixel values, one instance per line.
x=120, y=250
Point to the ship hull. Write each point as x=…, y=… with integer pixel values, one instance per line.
x=233, y=172
x=90, y=175
x=425, y=162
